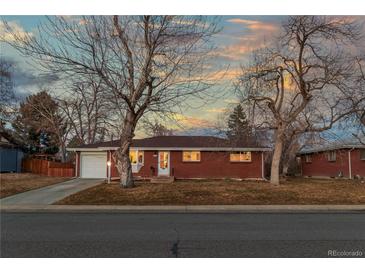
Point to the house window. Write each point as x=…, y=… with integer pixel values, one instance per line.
x=308, y=158
x=240, y=156
x=331, y=156
x=191, y=156
x=362, y=154
x=136, y=156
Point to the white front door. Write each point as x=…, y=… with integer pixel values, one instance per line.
x=163, y=163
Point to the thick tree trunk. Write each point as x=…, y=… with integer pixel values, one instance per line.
x=275, y=164
x=63, y=153
x=124, y=166
x=121, y=156
x=285, y=168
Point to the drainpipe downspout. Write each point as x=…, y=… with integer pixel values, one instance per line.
x=262, y=165
x=350, y=164
x=77, y=164
x=109, y=163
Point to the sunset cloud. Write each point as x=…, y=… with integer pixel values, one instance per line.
x=231, y=101
x=213, y=76
x=191, y=122
x=217, y=110
x=224, y=74
x=254, y=25
x=237, y=51
x=254, y=35
x=17, y=29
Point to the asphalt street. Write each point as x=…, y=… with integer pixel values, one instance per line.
x=103, y=234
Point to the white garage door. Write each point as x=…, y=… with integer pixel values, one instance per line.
x=93, y=165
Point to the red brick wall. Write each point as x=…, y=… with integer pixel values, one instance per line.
x=212, y=165
x=145, y=171
x=320, y=166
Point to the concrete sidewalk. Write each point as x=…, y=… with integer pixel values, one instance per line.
x=49, y=194
x=184, y=209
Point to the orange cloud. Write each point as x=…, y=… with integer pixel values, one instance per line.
x=254, y=25
x=255, y=38
x=213, y=76
x=217, y=110
x=190, y=122
x=231, y=101
x=221, y=75
x=235, y=52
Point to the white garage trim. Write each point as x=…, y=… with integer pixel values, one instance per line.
x=93, y=165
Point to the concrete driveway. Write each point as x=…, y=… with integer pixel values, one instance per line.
x=50, y=194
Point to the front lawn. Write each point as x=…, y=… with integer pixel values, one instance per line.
x=13, y=183
x=293, y=191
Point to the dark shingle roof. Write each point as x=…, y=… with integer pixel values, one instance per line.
x=173, y=142
x=11, y=142
x=332, y=146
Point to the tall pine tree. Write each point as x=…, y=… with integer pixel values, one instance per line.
x=31, y=129
x=239, y=130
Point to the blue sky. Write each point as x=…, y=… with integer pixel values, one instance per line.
x=238, y=37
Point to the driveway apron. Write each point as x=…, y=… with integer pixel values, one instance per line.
x=50, y=194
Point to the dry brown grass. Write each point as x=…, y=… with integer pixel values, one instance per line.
x=13, y=183
x=294, y=191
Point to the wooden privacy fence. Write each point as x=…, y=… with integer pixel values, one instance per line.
x=48, y=168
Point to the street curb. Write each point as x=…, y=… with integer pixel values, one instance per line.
x=186, y=209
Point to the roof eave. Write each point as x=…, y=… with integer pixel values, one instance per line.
x=174, y=149
x=309, y=151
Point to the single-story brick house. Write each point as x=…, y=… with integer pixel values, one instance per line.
x=178, y=156
x=343, y=160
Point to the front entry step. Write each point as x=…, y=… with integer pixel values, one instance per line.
x=163, y=179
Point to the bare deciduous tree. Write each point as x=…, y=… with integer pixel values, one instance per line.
x=88, y=111
x=155, y=128
x=49, y=118
x=146, y=63
x=7, y=95
x=305, y=81
x=358, y=119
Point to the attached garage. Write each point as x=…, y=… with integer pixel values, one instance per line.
x=93, y=165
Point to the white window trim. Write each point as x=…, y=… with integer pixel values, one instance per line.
x=189, y=161
x=362, y=158
x=137, y=151
x=329, y=158
x=240, y=161
x=308, y=158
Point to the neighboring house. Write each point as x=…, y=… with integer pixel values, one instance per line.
x=11, y=154
x=177, y=156
x=343, y=160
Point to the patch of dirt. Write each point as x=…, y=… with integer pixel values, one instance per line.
x=13, y=183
